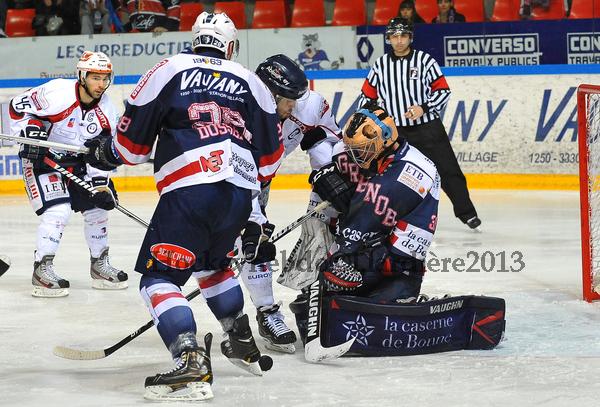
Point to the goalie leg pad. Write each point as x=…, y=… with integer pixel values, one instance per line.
x=393, y=329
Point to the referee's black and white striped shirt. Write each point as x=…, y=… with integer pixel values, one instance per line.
x=400, y=82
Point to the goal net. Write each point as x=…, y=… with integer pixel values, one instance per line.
x=588, y=113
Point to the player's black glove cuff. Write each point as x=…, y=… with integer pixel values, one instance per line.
x=103, y=198
x=30, y=152
x=331, y=186
x=255, y=243
x=101, y=154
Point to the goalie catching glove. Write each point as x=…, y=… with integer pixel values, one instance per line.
x=331, y=186
x=104, y=197
x=340, y=274
x=255, y=243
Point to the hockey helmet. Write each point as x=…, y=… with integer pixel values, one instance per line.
x=398, y=25
x=369, y=134
x=215, y=30
x=283, y=77
x=94, y=62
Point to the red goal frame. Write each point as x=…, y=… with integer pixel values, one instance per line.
x=583, y=91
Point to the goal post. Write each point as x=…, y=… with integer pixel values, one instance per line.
x=588, y=119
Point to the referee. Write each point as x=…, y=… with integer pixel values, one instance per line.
x=409, y=84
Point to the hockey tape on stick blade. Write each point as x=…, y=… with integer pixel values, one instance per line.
x=75, y=354
x=4, y=264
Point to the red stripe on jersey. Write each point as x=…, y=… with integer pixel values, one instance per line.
x=185, y=171
x=62, y=115
x=133, y=148
x=158, y=298
x=13, y=113
x=216, y=278
x=369, y=90
x=393, y=238
x=174, y=12
x=271, y=159
x=439, y=84
x=401, y=225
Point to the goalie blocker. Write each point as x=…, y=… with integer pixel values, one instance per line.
x=454, y=323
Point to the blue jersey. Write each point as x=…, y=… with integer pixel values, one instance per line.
x=399, y=203
x=214, y=121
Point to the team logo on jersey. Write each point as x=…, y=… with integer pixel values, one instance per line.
x=71, y=122
x=92, y=127
x=173, y=256
x=414, y=73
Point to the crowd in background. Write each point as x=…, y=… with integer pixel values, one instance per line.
x=64, y=17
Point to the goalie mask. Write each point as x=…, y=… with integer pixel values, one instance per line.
x=94, y=62
x=216, y=30
x=369, y=135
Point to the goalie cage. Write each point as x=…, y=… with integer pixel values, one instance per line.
x=588, y=113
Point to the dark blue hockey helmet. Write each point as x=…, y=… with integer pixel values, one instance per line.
x=283, y=77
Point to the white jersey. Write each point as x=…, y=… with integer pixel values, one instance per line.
x=311, y=111
x=56, y=106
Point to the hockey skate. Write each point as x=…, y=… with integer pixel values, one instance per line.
x=45, y=282
x=104, y=275
x=190, y=380
x=277, y=335
x=240, y=347
x=474, y=223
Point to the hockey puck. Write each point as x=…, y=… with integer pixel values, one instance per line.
x=5, y=264
x=265, y=362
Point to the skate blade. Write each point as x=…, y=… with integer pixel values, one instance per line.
x=252, y=367
x=43, y=292
x=277, y=347
x=99, y=284
x=196, y=391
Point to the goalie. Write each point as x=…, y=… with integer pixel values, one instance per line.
x=384, y=231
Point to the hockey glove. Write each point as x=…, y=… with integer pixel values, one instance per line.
x=255, y=243
x=34, y=153
x=101, y=154
x=331, y=186
x=104, y=197
x=340, y=275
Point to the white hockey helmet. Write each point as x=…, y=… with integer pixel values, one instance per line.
x=94, y=62
x=215, y=30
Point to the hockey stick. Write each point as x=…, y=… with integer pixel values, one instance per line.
x=52, y=164
x=75, y=354
x=45, y=143
x=313, y=350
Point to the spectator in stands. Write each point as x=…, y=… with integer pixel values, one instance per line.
x=3, y=8
x=57, y=17
x=21, y=4
x=151, y=15
x=447, y=13
x=95, y=17
x=526, y=5
x=409, y=12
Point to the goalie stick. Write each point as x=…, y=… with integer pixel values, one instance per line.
x=81, y=183
x=314, y=351
x=76, y=354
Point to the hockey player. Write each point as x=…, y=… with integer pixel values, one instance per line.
x=307, y=121
x=71, y=112
x=218, y=139
x=387, y=225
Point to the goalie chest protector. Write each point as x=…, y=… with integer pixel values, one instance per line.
x=464, y=322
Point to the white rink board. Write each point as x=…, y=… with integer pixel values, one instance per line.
x=497, y=124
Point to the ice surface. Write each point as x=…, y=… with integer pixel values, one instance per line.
x=551, y=355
